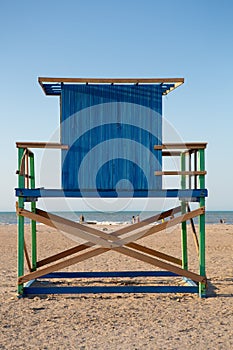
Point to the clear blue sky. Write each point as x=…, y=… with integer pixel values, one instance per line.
x=104, y=38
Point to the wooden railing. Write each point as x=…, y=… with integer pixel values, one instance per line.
x=192, y=162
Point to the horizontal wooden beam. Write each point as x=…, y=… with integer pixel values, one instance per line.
x=54, y=145
x=54, y=193
x=182, y=146
x=190, y=173
x=171, y=154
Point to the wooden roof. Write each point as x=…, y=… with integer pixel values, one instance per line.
x=52, y=86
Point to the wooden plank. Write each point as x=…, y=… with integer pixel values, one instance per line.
x=61, y=265
x=190, y=173
x=194, y=232
x=64, y=226
x=156, y=253
x=52, y=145
x=155, y=262
x=87, y=229
x=147, y=221
x=63, y=254
x=27, y=257
x=162, y=226
x=170, y=154
x=111, y=80
x=188, y=145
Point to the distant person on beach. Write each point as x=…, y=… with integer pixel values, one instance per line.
x=133, y=219
x=137, y=219
x=222, y=221
x=81, y=219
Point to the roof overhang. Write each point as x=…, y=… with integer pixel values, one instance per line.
x=52, y=86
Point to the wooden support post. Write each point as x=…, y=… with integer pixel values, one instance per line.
x=202, y=286
x=195, y=169
x=183, y=224
x=33, y=209
x=190, y=168
x=20, y=224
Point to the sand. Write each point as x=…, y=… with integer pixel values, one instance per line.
x=119, y=321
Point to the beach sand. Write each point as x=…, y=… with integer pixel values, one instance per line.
x=119, y=321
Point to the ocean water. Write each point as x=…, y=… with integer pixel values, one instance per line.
x=212, y=217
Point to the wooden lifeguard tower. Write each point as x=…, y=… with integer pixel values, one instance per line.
x=111, y=145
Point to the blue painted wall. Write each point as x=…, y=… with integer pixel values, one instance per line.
x=111, y=131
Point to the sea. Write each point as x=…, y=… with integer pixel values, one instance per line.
x=109, y=218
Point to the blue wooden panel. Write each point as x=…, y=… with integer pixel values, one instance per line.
x=108, y=289
x=187, y=195
x=111, y=131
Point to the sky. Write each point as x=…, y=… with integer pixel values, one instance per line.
x=124, y=38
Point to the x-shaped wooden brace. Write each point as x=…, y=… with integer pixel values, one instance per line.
x=114, y=241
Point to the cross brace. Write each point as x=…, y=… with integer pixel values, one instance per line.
x=114, y=241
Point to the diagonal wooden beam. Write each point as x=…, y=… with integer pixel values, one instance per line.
x=73, y=228
x=82, y=247
x=162, y=226
x=60, y=220
x=147, y=221
x=155, y=262
x=63, y=254
x=61, y=265
x=27, y=257
x=137, y=246
x=154, y=252
x=56, y=221
x=88, y=244
x=115, y=234
x=125, y=251
x=194, y=232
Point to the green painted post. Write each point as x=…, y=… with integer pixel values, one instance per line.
x=20, y=224
x=183, y=224
x=201, y=166
x=33, y=209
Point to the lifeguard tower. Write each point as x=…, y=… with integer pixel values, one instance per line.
x=111, y=146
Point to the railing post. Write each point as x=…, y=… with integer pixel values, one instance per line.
x=201, y=165
x=21, y=184
x=183, y=210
